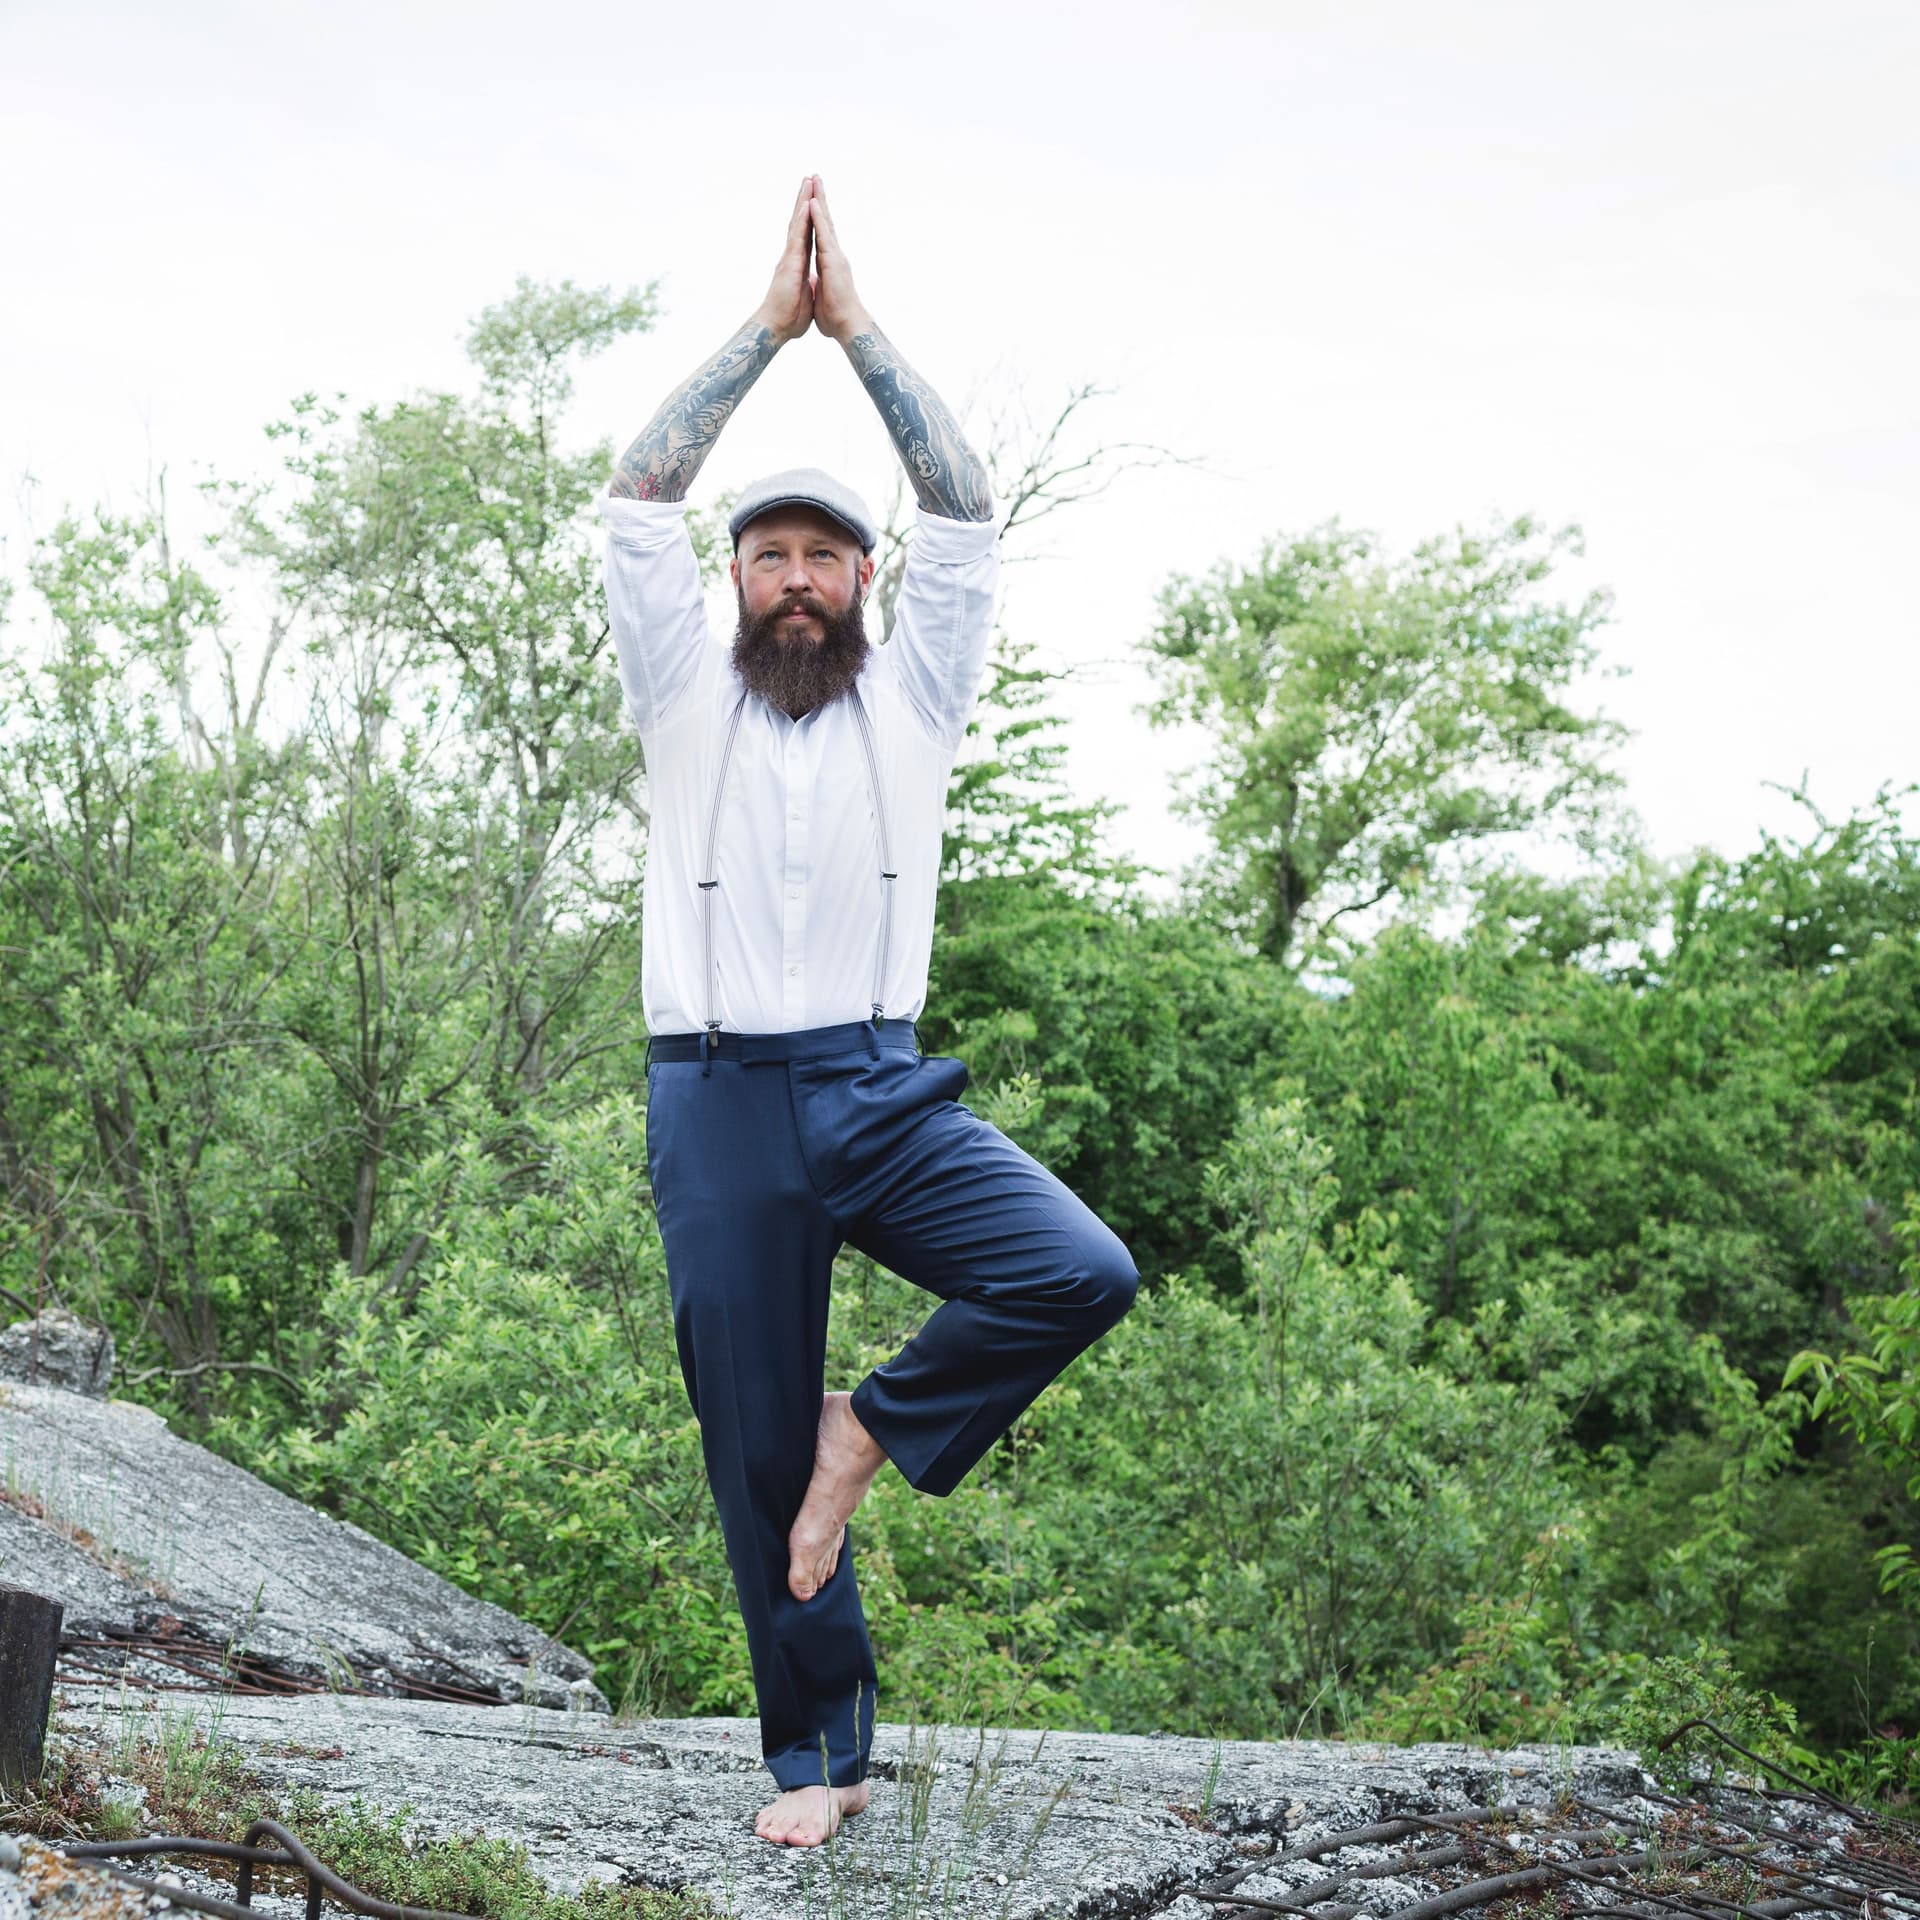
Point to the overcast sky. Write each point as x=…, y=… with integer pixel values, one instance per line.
x=1651, y=268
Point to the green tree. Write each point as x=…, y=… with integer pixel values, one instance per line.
x=440, y=550
x=140, y=852
x=1370, y=717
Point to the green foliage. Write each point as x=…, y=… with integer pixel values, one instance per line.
x=1280, y=1508
x=135, y=906
x=1883, y=1772
x=1875, y=1394
x=1677, y=1689
x=527, y=1434
x=1011, y=819
x=1690, y=1137
x=1372, y=717
x=1717, y=1572
x=198, y=1781
x=1473, y=1246
x=385, y=1854
x=1520, y=1672
x=1145, y=1030
x=525, y=346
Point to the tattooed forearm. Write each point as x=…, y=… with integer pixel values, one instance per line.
x=660, y=465
x=946, y=473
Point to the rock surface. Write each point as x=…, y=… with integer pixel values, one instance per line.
x=963, y=1821
x=164, y=1555
x=35, y=1880
x=58, y=1349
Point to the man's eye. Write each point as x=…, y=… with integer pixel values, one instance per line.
x=824, y=553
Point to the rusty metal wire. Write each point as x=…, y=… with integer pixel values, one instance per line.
x=1863, y=1815
x=1888, y=1875
x=1803, y=1868
x=211, y=1670
x=293, y=1855
x=1333, y=1843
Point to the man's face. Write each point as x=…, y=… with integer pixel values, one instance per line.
x=802, y=564
x=799, y=577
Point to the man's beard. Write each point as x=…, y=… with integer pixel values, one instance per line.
x=797, y=673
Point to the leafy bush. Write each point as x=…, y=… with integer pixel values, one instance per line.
x=1680, y=1688
x=1875, y=1394
x=1271, y=1508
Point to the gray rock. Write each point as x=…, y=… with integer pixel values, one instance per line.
x=962, y=1822
x=36, y=1881
x=58, y=1349
x=167, y=1555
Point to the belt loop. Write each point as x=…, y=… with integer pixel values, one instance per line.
x=873, y=1034
x=649, y=1065
x=706, y=1065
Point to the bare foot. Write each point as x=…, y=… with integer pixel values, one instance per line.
x=805, y=1816
x=845, y=1459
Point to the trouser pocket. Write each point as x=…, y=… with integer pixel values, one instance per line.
x=855, y=1114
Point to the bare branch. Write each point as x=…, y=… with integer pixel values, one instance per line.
x=213, y=1366
x=1036, y=470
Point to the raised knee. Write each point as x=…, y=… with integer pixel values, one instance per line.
x=1112, y=1284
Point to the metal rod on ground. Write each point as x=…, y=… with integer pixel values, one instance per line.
x=1826, y=1799
x=1422, y=1860
x=1330, y=1843
x=289, y=1853
x=29, y=1646
x=1884, y=1876
x=1589, y=1872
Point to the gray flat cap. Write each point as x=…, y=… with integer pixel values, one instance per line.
x=805, y=487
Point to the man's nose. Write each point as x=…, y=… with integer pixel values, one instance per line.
x=796, y=579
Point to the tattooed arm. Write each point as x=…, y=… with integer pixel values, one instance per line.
x=947, y=475
x=661, y=464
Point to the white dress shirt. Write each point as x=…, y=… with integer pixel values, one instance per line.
x=798, y=910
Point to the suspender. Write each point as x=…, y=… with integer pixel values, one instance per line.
x=887, y=873
x=711, y=1024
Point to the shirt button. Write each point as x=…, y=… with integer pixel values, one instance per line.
x=793, y=969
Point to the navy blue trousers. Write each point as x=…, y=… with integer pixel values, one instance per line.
x=764, y=1159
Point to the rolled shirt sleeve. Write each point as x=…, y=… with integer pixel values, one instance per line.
x=655, y=605
x=942, y=620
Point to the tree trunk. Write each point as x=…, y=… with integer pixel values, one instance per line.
x=29, y=1644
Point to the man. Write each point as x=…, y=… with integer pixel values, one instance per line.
x=797, y=784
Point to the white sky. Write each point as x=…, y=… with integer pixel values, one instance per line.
x=1648, y=267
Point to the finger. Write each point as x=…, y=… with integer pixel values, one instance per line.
x=800, y=226
x=826, y=240
x=822, y=214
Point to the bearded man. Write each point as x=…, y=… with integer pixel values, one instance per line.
x=797, y=784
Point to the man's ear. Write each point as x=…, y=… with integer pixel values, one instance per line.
x=733, y=567
x=866, y=574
